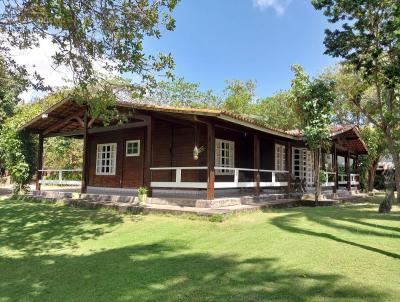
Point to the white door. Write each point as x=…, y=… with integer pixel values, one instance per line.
x=302, y=165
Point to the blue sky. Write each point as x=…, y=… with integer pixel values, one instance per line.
x=218, y=40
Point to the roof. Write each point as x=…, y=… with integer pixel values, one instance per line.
x=67, y=107
x=348, y=135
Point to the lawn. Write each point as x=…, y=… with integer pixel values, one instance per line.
x=58, y=253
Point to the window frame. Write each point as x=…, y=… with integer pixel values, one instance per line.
x=280, y=157
x=113, y=159
x=138, y=147
x=230, y=157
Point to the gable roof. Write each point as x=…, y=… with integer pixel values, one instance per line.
x=68, y=107
x=348, y=134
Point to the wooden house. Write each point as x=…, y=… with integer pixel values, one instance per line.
x=201, y=153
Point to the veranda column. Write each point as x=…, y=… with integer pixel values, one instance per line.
x=256, y=150
x=85, y=170
x=210, y=161
x=289, y=166
x=348, y=170
x=39, y=162
x=148, y=156
x=335, y=168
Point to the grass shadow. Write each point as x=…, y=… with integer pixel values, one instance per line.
x=164, y=272
x=32, y=227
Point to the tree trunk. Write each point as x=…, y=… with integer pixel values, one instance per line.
x=317, y=181
x=396, y=161
x=371, y=175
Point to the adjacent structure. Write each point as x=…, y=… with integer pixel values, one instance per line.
x=199, y=153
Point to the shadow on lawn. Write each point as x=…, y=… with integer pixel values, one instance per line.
x=32, y=227
x=351, y=219
x=162, y=272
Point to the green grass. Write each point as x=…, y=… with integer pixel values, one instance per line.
x=58, y=253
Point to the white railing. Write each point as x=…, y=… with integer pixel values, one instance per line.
x=235, y=183
x=327, y=182
x=354, y=179
x=178, y=183
x=60, y=179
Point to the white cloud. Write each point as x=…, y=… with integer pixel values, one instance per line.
x=39, y=59
x=279, y=6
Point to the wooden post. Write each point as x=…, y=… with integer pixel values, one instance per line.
x=85, y=165
x=289, y=166
x=39, y=162
x=256, y=158
x=335, y=167
x=348, y=170
x=148, y=156
x=210, y=161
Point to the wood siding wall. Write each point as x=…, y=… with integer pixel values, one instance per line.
x=173, y=145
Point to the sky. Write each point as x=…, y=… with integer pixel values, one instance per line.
x=219, y=40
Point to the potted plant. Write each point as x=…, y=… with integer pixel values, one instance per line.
x=142, y=194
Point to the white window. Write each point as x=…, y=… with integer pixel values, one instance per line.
x=224, y=156
x=133, y=148
x=280, y=157
x=106, y=159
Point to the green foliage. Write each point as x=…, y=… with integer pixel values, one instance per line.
x=85, y=33
x=63, y=153
x=278, y=111
x=143, y=191
x=313, y=99
x=18, y=148
x=367, y=37
x=181, y=93
x=240, y=96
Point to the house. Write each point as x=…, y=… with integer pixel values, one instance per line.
x=199, y=153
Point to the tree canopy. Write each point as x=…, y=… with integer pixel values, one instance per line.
x=367, y=37
x=89, y=33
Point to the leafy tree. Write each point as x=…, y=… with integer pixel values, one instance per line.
x=70, y=148
x=278, y=111
x=368, y=40
x=376, y=145
x=90, y=32
x=179, y=92
x=314, y=99
x=19, y=147
x=240, y=96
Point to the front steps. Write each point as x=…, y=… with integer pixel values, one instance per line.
x=202, y=207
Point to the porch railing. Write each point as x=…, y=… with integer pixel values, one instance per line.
x=268, y=178
x=329, y=179
x=59, y=177
x=354, y=179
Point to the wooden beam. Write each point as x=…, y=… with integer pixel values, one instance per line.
x=100, y=129
x=256, y=158
x=210, y=161
x=148, y=157
x=39, y=162
x=85, y=163
x=289, y=166
x=335, y=167
x=348, y=170
x=62, y=123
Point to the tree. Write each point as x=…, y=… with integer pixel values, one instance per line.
x=18, y=148
x=368, y=41
x=314, y=99
x=376, y=145
x=240, y=96
x=179, y=92
x=278, y=111
x=90, y=32
x=12, y=83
